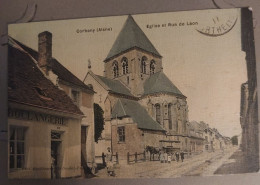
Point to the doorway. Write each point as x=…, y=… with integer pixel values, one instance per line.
x=55, y=155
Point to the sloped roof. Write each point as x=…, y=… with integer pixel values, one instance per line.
x=196, y=126
x=27, y=84
x=129, y=37
x=58, y=69
x=160, y=83
x=115, y=86
x=131, y=108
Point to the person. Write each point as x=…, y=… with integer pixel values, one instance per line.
x=182, y=156
x=165, y=157
x=161, y=156
x=169, y=159
x=109, y=163
x=53, y=166
x=177, y=156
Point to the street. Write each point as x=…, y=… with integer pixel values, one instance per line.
x=203, y=164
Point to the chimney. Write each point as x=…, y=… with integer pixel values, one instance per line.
x=45, y=51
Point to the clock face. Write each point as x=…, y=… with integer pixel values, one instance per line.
x=218, y=25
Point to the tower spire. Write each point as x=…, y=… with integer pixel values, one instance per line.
x=131, y=36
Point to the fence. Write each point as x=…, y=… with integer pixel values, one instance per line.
x=135, y=157
x=114, y=158
x=155, y=157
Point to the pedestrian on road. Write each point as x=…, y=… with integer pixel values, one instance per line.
x=165, y=156
x=182, y=156
x=161, y=155
x=169, y=159
x=177, y=156
x=109, y=163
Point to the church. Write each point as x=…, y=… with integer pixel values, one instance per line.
x=142, y=107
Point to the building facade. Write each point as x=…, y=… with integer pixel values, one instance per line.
x=50, y=115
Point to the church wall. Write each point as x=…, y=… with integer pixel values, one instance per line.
x=134, y=141
x=152, y=138
x=134, y=79
x=179, y=111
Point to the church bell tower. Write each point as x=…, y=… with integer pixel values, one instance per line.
x=132, y=58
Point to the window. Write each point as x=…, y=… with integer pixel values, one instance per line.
x=206, y=138
x=55, y=136
x=121, y=134
x=158, y=113
x=170, y=116
x=184, y=127
x=16, y=147
x=143, y=65
x=152, y=67
x=125, y=65
x=75, y=97
x=115, y=69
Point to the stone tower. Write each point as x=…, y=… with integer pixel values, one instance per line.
x=132, y=58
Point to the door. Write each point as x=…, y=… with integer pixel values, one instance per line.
x=55, y=155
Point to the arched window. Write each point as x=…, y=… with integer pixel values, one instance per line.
x=115, y=69
x=125, y=65
x=170, y=116
x=143, y=64
x=158, y=112
x=184, y=127
x=152, y=67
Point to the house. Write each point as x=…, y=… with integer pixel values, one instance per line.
x=197, y=140
x=51, y=110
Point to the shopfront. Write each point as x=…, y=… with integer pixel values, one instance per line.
x=43, y=144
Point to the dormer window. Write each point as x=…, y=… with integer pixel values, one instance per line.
x=125, y=65
x=42, y=93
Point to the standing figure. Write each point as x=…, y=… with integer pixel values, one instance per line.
x=53, y=166
x=169, y=159
x=161, y=156
x=109, y=163
x=177, y=156
x=182, y=156
x=165, y=156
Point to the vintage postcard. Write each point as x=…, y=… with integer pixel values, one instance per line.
x=159, y=95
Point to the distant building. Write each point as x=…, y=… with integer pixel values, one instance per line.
x=196, y=133
x=50, y=115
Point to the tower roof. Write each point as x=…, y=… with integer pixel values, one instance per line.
x=160, y=83
x=131, y=36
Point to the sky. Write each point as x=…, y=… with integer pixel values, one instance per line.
x=208, y=70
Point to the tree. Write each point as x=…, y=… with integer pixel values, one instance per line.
x=98, y=120
x=234, y=140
